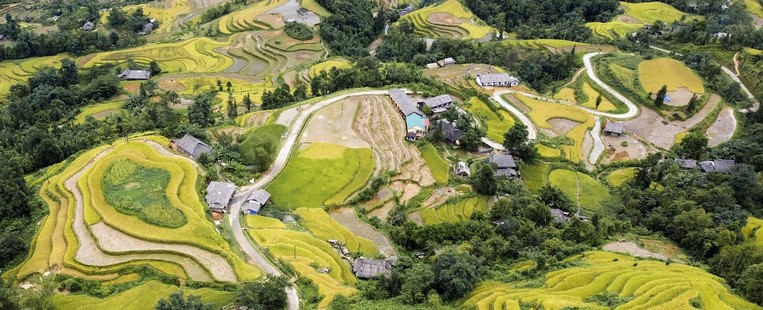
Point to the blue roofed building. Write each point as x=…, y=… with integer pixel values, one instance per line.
x=416, y=122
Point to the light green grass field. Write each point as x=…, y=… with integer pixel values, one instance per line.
x=657, y=72
x=498, y=122
x=451, y=213
x=620, y=176
x=324, y=227
x=754, y=229
x=144, y=296
x=648, y=285
x=590, y=191
x=439, y=167
x=322, y=174
x=98, y=111
x=535, y=176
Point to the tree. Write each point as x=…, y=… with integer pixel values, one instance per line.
x=267, y=294
x=228, y=86
x=231, y=108
x=176, y=301
x=200, y=111
x=220, y=85
x=751, y=283
x=555, y=198
x=659, y=98
x=153, y=66
x=248, y=103
x=456, y=274
x=417, y=283
x=598, y=101
x=693, y=104
x=516, y=141
x=484, y=180
x=693, y=145
x=69, y=72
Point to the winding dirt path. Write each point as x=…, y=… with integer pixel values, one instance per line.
x=110, y=240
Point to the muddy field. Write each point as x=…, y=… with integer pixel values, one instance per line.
x=444, y=19
x=333, y=124
x=350, y=220
x=614, y=151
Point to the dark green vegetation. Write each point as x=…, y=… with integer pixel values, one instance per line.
x=298, y=31
x=351, y=27
x=259, y=148
x=141, y=191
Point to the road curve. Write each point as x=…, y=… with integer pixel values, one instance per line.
x=632, y=108
x=598, y=145
x=280, y=162
x=755, y=102
x=532, y=132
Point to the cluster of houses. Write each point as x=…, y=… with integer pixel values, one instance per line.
x=148, y=27
x=717, y=165
x=416, y=121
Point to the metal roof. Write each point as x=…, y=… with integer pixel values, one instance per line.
x=450, y=131
x=193, y=146
x=260, y=196
x=219, y=194
x=497, y=78
x=503, y=161
x=615, y=127
x=370, y=268
x=404, y=103
x=686, y=163
x=438, y=101
x=128, y=74
x=718, y=165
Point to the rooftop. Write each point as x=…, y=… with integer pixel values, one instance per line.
x=614, y=127
x=718, y=165
x=193, y=146
x=497, y=78
x=503, y=161
x=403, y=102
x=365, y=268
x=450, y=131
x=438, y=101
x=219, y=194
x=128, y=74
x=260, y=196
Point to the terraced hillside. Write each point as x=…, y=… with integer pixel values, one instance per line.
x=636, y=284
x=636, y=15
x=89, y=234
x=19, y=71
x=324, y=227
x=269, y=52
x=144, y=296
x=248, y=18
x=194, y=55
x=454, y=212
x=307, y=254
x=449, y=19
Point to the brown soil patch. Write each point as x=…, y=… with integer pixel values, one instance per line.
x=383, y=212
x=171, y=85
x=103, y=114
x=438, y=197
x=132, y=88
x=415, y=217
x=723, y=128
x=275, y=20
x=614, y=151
x=652, y=127
x=444, y=19
x=132, y=185
x=632, y=249
x=304, y=55
x=332, y=124
x=384, y=195
x=218, y=216
x=627, y=19
x=521, y=106
x=349, y=219
x=679, y=97
x=586, y=149
x=561, y=126
x=454, y=75
x=258, y=119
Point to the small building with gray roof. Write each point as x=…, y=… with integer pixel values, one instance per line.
x=497, y=79
x=365, y=268
x=505, y=165
x=718, y=165
x=438, y=104
x=192, y=146
x=255, y=201
x=614, y=129
x=219, y=195
x=133, y=75
x=415, y=121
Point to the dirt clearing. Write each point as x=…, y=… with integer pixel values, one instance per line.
x=615, y=151
x=350, y=220
x=444, y=19
x=723, y=128
x=679, y=97
x=632, y=249
x=333, y=124
x=561, y=126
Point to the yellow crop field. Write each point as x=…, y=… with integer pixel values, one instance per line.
x=191, y=85
x=194, y=55
x=447, y=19
x=543, y=43
x=19, y=71
x=651, y=12
x=324, y=227
x=568, y=94
x=451, y=213
x=655, y=73
x=651, y=284
x=620, y=176
x=613, y=29
x=498, y=122
x=754, y=229
x=166, y=13
x=542, y=111
x=547, y=151
x=579, y=187
x=246, y=19
x=98, y=111
x=327, y=65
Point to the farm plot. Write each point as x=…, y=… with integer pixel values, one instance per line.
x=651, y=12
x=613, y=29
x=585, y=95
x=144, y=296
x=454, y=212
x=306, y=254
x=497, y=121
x=754, y=230
x=350, y=220
x=541, y=112
x=248, y=18
x=84, y=236
x=449, y=19
x=682, y=83
x=333, y=125
x=327, y=66
x=535, y=176
x=581, y=188
x=188, y=86
x=19, y=71
x=170, y=14
x=620, y=176
x=322, y=174
x=324, y=227
x=98, y=111
x=194, y=55
x=269, y=52
x=643, y=284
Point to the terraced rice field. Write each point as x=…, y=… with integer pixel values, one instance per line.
x=454, y=212
x=322, y=174
x=590, y=94
x=194, y=55
x=547, y=151
x=248, y=18
x=644, y=284
x=270, y=52
x=535, y=176
x=170, y=13
x=324, y=227
x=303, y=251
x=144, y=296
x=328, y=65
x=543, y=43
x=497, y=122
x=98, y=111
x=754, y=230
x=613, y=29
x=581, y=188
x=15, y=72
x=651, y=12
x=190, y=85
x=542, y=111
x=655, y=73
x=448, y=19
x=84, y=236
x=620, y=176
x=439, y=167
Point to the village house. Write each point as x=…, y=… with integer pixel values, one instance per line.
x=432, y=65
x=416, y=122
x=133, y=75
x=462, y=169
x=88, y=26
x=506, y=166
x=219, y=195
x=365, y=268
x=497, y=79
x=2, y=37
x=613, y=129
x=256, y=200
x=560, y=216
x=147, y=28
x=686, y=163
x=192, y=146
x=446, y=62
x=438, y=104
x=406, y=10
x=718, y=165
x=451, y=133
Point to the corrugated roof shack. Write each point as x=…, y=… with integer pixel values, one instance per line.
x=192, y=146
x=219, y=195
x=365, y=268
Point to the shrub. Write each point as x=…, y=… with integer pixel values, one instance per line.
x=298, y=31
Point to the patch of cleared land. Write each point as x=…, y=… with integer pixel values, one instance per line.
x=350, y=220
x=632, y=249
x=723, y=128
x=615, y=150
x=447, y=19
x=333, y=125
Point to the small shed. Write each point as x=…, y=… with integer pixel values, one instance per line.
x=559, y=215
x=219, y=195
x=406, y=10
x=446, y=62
x=88, y=26
x=255, y=201
x=192, y=146
x=432, y=65
x=718, y=165
x=365, y=268
x=686, y=163
x=2, y=37
x=134, y=75
x=462, y=169
x=613, y=129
